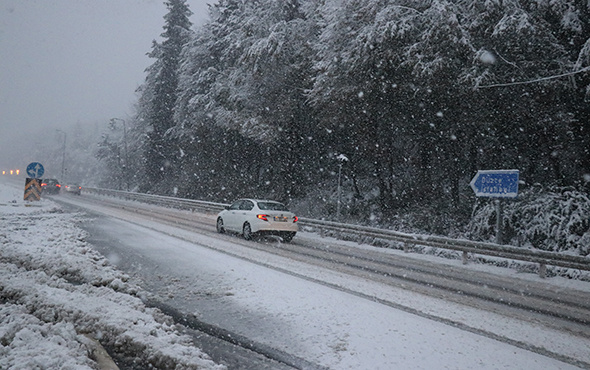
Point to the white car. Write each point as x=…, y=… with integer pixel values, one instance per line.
x=251, y=217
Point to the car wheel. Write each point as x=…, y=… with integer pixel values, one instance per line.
x=287, y=237
x=220, y=228
x=247, y=231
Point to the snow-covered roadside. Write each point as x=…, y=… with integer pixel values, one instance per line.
x=57, y=293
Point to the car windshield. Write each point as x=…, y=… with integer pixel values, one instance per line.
x=272, y=206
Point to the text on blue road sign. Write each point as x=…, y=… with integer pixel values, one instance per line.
x=496, y=183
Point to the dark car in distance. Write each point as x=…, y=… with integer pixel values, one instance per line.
x=50, y=186
x=73, y=189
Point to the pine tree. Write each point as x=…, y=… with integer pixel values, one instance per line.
x=161, y=89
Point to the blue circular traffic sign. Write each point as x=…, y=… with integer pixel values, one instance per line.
x=35, y=170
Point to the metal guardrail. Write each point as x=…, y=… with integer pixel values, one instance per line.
x=543, y=258
x=160, y=200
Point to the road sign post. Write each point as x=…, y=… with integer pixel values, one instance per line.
x=33, y=183
x=499, y=221
x=496, y=184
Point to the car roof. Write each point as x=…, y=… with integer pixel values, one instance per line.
x=260, y=200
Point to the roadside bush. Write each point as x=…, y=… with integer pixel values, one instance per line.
x=555, y=219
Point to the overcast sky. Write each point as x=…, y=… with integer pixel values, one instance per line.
x=67, y=62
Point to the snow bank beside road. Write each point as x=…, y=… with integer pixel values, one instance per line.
x=29, y=343
x=54, y=289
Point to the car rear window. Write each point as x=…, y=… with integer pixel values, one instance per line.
x=272, y=206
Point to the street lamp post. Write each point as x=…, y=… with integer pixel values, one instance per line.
x=341, y=159
x=63, y=160
x=126, y=155
x=339, y=192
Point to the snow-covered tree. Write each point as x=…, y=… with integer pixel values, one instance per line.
x=553, y=219
x=157, y=107
x=395, y=87
x=417, y=94
x=243, y=78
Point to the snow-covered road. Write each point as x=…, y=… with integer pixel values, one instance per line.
x=324, y=325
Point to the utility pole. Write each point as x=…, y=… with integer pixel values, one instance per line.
x=126, y=165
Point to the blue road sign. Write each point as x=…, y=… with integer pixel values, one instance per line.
x=35, y=170
x=496, y=184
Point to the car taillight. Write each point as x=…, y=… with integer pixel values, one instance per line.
x=262, y=217
x=43, y=184
x=58, y=185
x=295, y=219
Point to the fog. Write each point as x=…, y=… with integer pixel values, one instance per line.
x=71, y=63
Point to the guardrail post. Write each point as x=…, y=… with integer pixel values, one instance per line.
x=542, y=270
x=465, y=257
x=406, y=247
